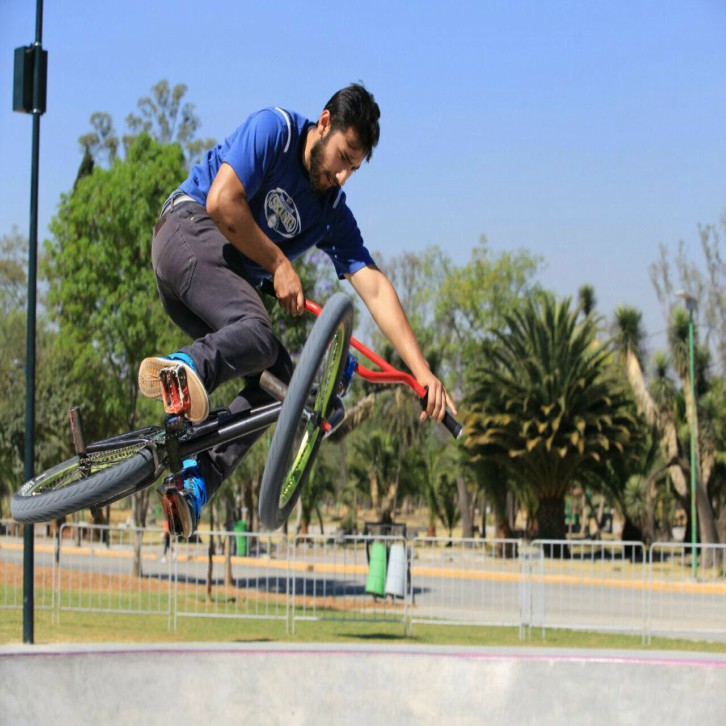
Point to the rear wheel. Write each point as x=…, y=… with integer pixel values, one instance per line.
x=110, y=470
x=299, y=429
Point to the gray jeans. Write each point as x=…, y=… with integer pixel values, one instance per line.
x=202, y=285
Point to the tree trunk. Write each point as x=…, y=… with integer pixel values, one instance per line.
x=467, y=526
x=706, y=518
x=228, y=576
x=551, y=518
x=210, y=555
x=632, y=533
x=708, y=534
x=722, y=523
x=511, y=511
x=136, y=509
x=483, y=513
x=249, y=502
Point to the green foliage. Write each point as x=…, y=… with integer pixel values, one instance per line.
x=102, y=287
x=448, y=503
x=545, y=403
x=477, y=297
x=165, y=118
x=702, y=278
x=12, y=359
x=586, y=299
x=56, y=387
x=162, y=116
x=322, y=482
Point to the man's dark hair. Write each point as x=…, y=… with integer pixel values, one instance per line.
x=355, y=106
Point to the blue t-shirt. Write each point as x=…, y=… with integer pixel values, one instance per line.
x=266, y=154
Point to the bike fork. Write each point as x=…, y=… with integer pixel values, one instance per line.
x=278, y=390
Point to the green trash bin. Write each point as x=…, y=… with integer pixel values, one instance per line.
x=376, y=582
x=240, y=527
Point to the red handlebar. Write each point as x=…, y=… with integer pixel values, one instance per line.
x=387, y=374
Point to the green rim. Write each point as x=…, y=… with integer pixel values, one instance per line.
x=330, y=364
x=74, y=471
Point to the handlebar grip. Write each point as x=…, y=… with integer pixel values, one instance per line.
x=449, y=422
x=453, y=425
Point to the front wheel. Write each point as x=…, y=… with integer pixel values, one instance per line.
x=110, y=470
x=299, y=431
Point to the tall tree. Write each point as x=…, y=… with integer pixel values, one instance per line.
x=163, y=115
x=586, y=299
x=546, y=406
x=658, y=403
x=102, y=288
x=704, y=279
x=53, y=365
x=678, y=339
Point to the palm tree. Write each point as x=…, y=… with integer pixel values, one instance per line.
x=656, y=404
x=378, y=461
x=546, y=406
x=659, y=405
x=713, y=438
x=678, y=340
x=586, y=299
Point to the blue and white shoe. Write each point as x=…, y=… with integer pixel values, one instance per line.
x=174, y=379
x=182, y=498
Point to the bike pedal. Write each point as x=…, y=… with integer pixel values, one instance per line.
x=175, y=389
x=169, y=503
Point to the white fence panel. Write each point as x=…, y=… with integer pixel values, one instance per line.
x=587, y=585
x=592, y=585
x=681, y=605
x=245, y=576
x=466, y=581
x=362, y=578
x=113, y=569
x=11, y=565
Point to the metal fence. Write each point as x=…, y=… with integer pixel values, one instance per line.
x=592, y=585
x=363, y=578
x=112, y=569
x=11, y=565
x=466, y=581
x=687, y=594
x=232, y=575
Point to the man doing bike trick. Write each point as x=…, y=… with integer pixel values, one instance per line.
x=257, y=201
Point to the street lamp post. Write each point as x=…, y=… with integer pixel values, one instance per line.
x=690, y=302
x=29, y=96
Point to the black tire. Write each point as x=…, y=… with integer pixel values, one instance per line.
x=297, y=436
x=112, y=470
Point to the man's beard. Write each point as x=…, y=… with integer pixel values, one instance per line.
x=317, y=172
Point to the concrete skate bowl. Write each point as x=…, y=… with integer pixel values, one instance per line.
x=318, y=684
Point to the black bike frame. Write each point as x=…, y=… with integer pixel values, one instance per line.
x=227, y=428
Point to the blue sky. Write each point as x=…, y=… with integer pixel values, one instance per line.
x=585, y=132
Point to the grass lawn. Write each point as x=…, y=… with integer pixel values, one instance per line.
x=76, y=627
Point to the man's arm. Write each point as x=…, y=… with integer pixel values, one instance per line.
x=381, y=299
x=227, y=206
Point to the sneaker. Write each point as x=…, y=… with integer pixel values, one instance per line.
x=188, y=395
x=182, y=498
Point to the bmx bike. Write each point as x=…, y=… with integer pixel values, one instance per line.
x=306, y=411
